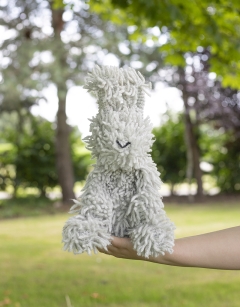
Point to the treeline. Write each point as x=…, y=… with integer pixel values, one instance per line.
x=54, y=44
x=28, y=154
x=218, y=154
x=28, y=159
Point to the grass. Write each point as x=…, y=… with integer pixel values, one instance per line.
x=35, y=272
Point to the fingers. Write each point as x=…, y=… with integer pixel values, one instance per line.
x=121, y=248
x=117, y=246
x=111, y=249
x=101, y=250
x=121, y=243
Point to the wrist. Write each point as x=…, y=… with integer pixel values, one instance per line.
x=167, y=258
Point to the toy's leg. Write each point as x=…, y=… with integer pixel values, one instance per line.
x=153, y=239
x=83, y=235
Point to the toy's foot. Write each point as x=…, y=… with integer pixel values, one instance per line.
x=153, y=240
x=81, y=235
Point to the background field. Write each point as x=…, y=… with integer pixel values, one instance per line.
x=35, y=272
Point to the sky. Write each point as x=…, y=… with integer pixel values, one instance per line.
x=81, y=105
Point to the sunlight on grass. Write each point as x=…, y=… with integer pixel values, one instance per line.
x=35, y=272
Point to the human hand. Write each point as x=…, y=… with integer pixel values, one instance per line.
x=122, y=248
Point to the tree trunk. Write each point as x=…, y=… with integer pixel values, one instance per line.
x=20, y=122
x=193, y=156
x=172, y=185
x=63, y=153
x=189, y=171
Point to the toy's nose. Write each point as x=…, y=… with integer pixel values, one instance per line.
x=124, y=145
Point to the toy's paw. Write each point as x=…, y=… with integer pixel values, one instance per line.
x=81, y=235
x=153, y=240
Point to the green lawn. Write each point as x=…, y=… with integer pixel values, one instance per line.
x=35, y=272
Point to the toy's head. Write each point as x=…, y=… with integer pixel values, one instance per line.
x=121, y=137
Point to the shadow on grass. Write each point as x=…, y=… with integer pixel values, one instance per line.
x=27, y=206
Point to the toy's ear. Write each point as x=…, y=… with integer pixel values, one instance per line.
x=115, y=86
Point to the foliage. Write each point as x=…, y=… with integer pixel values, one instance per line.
x=36, y=272
x=35, y=159
x=36, y=58
x=195, y=44
x=218, y=147
x=30, y=159
x=54, y=45
x=169, y=150
x=221, y=149
x=81, y=157
x=33, y=155
x=187, y=25
x=227, y=165
x=208, y=104
x=204, y=94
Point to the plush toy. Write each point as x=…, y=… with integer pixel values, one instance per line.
x=121, y=195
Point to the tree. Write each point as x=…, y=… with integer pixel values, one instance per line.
x=204, y=100
x=58, y=46
x=191, y=135
x=186, y=26
x=169, y=150
x=207, y=27
x=23, y=50
x=208, y=102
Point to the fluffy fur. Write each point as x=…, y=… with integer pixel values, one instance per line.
x=121, y=196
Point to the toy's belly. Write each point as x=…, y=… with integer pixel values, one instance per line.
x=121, y=186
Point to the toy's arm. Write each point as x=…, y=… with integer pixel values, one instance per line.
x=214, y=250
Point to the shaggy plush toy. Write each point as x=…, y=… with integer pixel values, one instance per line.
x=121, y=196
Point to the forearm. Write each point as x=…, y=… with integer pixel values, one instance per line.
x=217, y=250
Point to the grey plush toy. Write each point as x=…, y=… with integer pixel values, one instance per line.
x=121, y=196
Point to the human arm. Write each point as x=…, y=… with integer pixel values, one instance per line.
x=215, y=250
